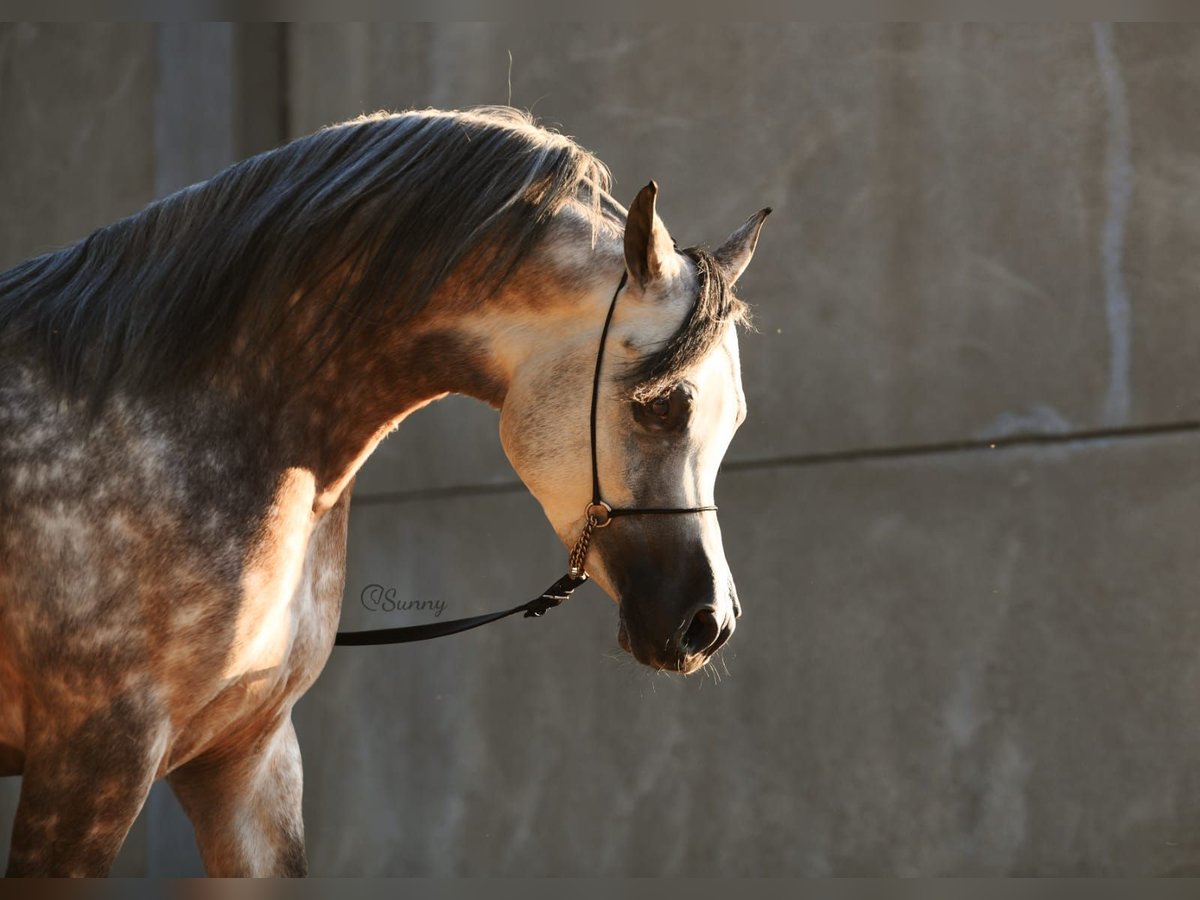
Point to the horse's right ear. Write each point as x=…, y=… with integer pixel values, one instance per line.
x=647, y=244
x=734, y=255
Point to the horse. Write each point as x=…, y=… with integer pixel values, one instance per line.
x=187, y=394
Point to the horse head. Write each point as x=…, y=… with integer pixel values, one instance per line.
x=668, y=400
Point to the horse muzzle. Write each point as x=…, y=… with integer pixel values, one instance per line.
x=701, y=632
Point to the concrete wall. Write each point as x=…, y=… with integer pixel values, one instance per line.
x=954, y=659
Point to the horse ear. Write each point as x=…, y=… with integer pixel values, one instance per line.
x=734, y=255
x=647, y=244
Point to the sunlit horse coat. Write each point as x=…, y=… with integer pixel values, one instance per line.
x=186, y=395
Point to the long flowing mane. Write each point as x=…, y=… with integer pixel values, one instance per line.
x=395, y=201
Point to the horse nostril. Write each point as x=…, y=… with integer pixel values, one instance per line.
x=702, y=632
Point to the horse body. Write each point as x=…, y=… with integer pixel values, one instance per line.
x=164, y=591
x=172, y=558
x=171, y=576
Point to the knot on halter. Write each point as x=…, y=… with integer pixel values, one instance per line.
x=553, y=596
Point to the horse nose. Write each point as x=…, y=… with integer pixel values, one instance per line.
x=703, y=632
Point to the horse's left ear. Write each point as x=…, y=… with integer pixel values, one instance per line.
x=734, y=255
x=648, y=248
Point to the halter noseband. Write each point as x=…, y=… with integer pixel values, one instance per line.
x=599, y=514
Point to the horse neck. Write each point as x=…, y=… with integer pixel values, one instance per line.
x=338, y=414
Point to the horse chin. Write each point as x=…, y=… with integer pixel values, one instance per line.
x=685, y=665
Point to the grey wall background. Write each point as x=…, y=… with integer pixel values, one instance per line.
x=955, y=659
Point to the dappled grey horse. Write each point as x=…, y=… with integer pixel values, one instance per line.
x=186, y=396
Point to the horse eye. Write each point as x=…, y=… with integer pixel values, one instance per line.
x=669, y=411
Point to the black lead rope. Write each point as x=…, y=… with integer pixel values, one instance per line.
x=550, y=598
x=597, y=515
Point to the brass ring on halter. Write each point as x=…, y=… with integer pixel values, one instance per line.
x=599, y=514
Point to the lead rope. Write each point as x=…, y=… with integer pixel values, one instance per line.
x=598, y=514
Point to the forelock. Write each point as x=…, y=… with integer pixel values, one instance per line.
x=703, y=329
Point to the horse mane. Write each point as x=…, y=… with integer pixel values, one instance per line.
x=397, y=200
